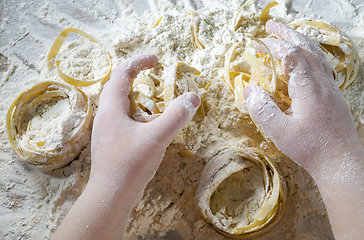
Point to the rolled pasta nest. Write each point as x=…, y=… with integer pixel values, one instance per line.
x=241, y=193
x=48, y=124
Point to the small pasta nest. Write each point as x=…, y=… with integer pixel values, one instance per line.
x=54, y=60
x=241, y=193
x=49, y=124
x=152, y=91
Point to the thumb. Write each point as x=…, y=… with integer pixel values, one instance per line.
x=175, y=117
x=265, y=111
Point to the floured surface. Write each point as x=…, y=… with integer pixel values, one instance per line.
x=33, y=203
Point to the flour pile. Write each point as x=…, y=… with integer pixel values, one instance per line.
x=33, y=203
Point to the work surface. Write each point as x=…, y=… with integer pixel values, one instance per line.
x=33, y=203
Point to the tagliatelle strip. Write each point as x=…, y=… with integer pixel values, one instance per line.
x=270, y=77
x=194, y=30
x=229, y=176
x=264, y=16
x=157, y=22
x=338, y=48
x=235, y=21
x=227, y=73
x=52, y=58
x=51, y=143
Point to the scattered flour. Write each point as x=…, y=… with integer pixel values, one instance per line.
x=84, y=60
x=39, y=127
x=33, y=203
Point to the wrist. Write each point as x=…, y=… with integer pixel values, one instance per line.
x=340, y=184
x=121, y=182
x=338, y=165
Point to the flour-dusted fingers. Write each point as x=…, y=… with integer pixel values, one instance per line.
x=264, y=110
x=174, y=118
x=314, y=56
x=116, y=90
x=301, y=80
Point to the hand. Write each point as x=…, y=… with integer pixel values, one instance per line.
x=125, y=154
x=318, y=131
x=318, y=127
x=127, y=149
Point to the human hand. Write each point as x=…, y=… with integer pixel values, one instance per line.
x=127, y=151
x=125, y=154
x=318, y=127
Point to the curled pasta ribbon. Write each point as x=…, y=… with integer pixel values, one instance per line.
x=194, y=29
x=75, y=132
x=53, y=52
x=339, y=49
x=241, y=193
x=264, y=16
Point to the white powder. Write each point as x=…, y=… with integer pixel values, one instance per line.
x=48, y=119
x=33, y=203
x=84, y=60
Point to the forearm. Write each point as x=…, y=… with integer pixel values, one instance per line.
x=341, y=186
x=101, y=212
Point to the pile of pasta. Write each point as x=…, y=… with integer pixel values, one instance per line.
x=152, y=91
x=266, y=72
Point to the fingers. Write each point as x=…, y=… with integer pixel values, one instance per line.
x=116, y=90
x=174, y=118
x=310, y=50
x=295, y=67
x=264, y=110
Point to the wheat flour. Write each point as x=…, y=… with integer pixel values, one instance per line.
x=33, y=203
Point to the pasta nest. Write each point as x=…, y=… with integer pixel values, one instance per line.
x=241, y=192
x=49, y=148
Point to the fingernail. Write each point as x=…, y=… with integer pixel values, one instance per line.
x=194, y=99
x=269, y=24
x=191, y=101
